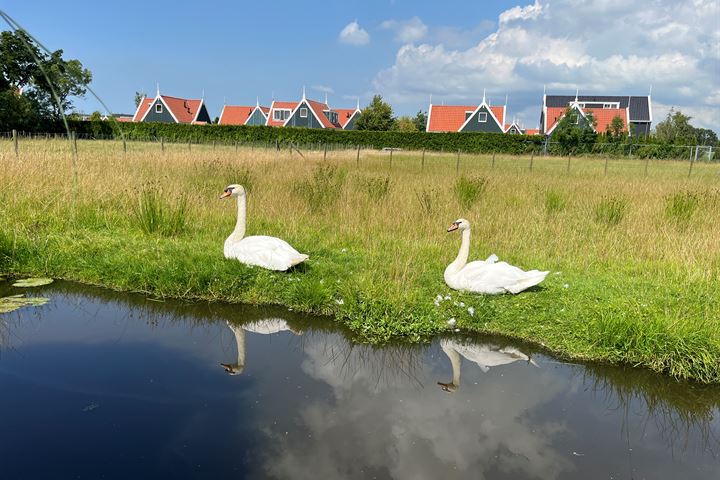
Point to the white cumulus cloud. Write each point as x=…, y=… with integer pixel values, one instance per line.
x=354, y=34
x=406, y=31
x=609, y=47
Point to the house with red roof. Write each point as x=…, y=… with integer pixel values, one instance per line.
x=242, y=115
x=348, y=116
x=309, y=113
x=634, y=111
x=466, y=118
x=167, y=109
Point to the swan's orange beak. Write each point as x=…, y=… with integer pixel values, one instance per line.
x=226, y=194
x=452, y=227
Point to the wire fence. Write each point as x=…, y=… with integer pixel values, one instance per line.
x=600, y=154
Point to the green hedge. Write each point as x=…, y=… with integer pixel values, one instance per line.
x=448, y=142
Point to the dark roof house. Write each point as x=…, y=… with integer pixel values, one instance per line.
x=244, y=115
x=633, y=110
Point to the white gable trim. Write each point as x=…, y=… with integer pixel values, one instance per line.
x=576, y=107
x=484, y=103
x=427, y=125
x=137, y=110
x=197, y=114
x=304, y=101
x=343, y=125
x=166, y=106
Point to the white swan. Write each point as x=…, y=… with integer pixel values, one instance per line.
x=266, y=326
x=489, y=276
x=259, y=250
x=485, y=355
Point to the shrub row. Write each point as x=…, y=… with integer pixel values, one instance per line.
x=448, y=142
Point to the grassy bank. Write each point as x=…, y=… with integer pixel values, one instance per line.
x=635, y=258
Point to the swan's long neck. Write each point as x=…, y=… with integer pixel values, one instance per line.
x=239, y=231
x=239, y=333
x=454, y=357
x=463, y=254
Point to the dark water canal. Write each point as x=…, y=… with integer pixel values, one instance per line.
x=97, y=384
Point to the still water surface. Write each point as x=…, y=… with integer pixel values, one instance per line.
x=98, y=384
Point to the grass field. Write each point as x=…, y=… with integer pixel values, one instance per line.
x=635, y=257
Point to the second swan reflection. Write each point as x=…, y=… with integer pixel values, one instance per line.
x=266, y=326
x=485, y=355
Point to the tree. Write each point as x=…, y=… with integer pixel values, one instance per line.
x=705, y=136
x=615, y=129
x=420, y=121
x=376, y=116
x=27, y=69
x=676, y=129
x=575, y=133
x=139, y=98
x=405, y=124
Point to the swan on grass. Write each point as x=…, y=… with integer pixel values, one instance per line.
x=489, y=276
x=259, y=250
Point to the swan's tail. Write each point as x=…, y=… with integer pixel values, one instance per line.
x=530, y=279
x=299, y=259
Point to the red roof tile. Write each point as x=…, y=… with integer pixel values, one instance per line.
x=235, y=115
x=604, y=117
x=142, y=108
x=447, y=118
x=319, y=109
x=185, y=110
x=532, y=131
x=344, y=115
x=552, y=117
x=279, y=105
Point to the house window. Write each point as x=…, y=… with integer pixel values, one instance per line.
x=468, y=114
x=158, y=108
x=611, y=105
x=482, y=117
x=577, y=119
x=303, y=113
x=280, y=115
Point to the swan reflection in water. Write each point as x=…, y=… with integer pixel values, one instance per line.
x=263, y=327
x=485, y=355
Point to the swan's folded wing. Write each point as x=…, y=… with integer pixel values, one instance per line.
x=264, y=251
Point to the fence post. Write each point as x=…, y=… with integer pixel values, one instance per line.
x=236, y=146
x=189, y=144
x=325, y=153
x=277, y=145
x=74, y=142
x=213, y=144
x=422, y=162
x=532, y=157
x=493, y=160
x=568, y=164
x=457, y=162
x=124, y=145
x=607, y=157
x=693, y=160
x=647, y=161
x=162, y=144
x=15, y=141
x=357, y=158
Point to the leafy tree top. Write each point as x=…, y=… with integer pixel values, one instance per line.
x=378, y=115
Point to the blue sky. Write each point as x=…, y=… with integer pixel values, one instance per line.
x=404, y=50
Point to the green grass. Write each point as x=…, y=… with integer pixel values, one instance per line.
x=635, y=260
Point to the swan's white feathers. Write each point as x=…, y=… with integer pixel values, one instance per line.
x=263, y=251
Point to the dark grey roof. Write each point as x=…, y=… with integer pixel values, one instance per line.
x=639, y=106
